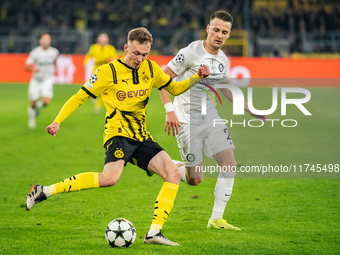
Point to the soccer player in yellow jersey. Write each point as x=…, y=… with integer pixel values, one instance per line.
x=102, y=53
x=125, y=86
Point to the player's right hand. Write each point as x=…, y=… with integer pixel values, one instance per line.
x=203, y=71
x=171, y=122
x=53, y=128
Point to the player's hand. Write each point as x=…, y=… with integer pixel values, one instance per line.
x=53, y=128
x=203, y=71
x=259, y=117
x=171, y=122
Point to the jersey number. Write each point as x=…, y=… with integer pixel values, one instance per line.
x=226, y=130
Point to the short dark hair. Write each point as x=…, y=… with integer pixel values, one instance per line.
x=140, y=34
x=222, y=15
x=43, y=33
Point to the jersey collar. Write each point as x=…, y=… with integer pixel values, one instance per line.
x=120, y=61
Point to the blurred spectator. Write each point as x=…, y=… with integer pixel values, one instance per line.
x=268, y=22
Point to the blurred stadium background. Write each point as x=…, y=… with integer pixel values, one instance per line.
x=266, y=29
x=261, y=28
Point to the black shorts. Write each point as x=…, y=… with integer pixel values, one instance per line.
x=137, y=153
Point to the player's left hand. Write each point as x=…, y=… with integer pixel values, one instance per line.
x=171, y=122
x=53, y=128
x=203, y=71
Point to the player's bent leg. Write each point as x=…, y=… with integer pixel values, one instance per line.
x=180, y=166
x=31, y=117
x=111, y=173
x=109, y=177
x=194, y=174
x=33, y=103
x=162, y=165
x=75, y=183
x=223, y=189
x=46, y=101
x=190, y=175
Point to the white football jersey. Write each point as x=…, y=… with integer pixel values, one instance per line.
x=44, y=60
x=188, y=106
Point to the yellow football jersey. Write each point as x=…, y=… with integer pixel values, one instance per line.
x=125, y=92
x=101, y=55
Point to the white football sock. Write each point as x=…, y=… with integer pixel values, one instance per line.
x=31, y=111
x=181, y=170
x=223, y=190
x=31, y=117
x=39, y=105
x=46, y=190
x=155, y=229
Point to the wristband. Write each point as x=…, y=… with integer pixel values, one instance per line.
x=169, y=107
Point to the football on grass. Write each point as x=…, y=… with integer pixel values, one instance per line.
x=120, y=233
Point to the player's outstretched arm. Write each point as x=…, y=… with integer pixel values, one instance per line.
x=53, y=128
x=177, y=88
x=69, y=107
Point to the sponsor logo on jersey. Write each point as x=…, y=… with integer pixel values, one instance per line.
x=93, y=78
x=88, y=85
x=121, y=95
x=119, y=153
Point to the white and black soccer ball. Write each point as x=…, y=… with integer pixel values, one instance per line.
x=120, y=233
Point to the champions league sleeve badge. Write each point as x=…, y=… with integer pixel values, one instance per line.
x=179, y=58
x=93, y=78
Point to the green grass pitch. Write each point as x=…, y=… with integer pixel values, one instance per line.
x=276, y=215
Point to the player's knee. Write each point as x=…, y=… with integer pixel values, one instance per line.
x=173, y=175
x=110, y=182
x=229, y=165
x=33, y=104
x=107, y=181
x=46, y=102
x=177, y=174
x=195, y=181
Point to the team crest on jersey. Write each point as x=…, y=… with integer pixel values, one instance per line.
x=119, y=153
x=93, y=78
x=179, y=58
x=146, y=77
x=221, y=67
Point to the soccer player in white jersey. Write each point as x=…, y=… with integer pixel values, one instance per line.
x=193, y=125
x=41, y=62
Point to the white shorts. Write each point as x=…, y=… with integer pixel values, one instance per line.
x=191, y=139
x=40, y=88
